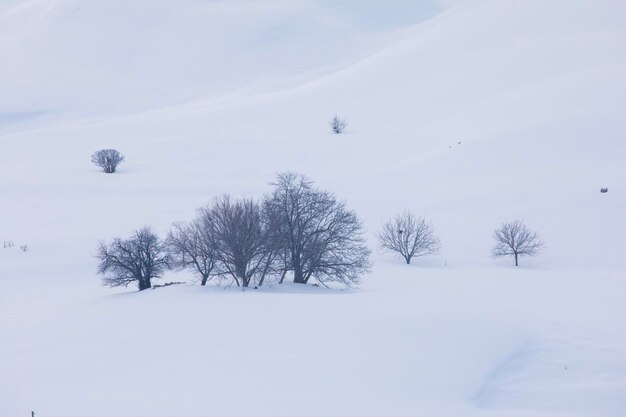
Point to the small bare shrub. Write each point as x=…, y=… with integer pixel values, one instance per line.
x=338, y=125
x=107, y=159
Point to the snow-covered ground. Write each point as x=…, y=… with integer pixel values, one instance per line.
x=470, y=112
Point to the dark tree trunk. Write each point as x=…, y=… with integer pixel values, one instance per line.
x=240, y=274
x=298, y=277
x=144, y=284
x=204, y=280
x=408, y=260
x=298, y=273
x=282, y=278
x=516, y=264
x=245, y=282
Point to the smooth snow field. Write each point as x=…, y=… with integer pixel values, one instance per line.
x=469, y=112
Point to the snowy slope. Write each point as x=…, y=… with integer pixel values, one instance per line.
x=490, y=111
x=86, y=57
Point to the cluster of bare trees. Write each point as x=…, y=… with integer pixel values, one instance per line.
x=227, y=239
x=410, y=236
x=297, y=232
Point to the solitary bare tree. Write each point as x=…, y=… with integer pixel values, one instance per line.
x=515, y=239
x=409, y=236
x=338, y=125
x=138, y=259
x=319, y=236
x=191, y=247
x=107, y=159
x=238, y=235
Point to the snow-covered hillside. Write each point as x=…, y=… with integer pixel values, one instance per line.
x=490, y=110
x=85, y=57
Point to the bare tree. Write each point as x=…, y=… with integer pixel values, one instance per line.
x=409, y=236
x=191, y=247
x=107, y=159
x=239, y=237
x=338, y=125
x=515, y=239
x=138, y=259
x=319, y=236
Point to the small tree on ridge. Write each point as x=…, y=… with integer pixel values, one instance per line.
x=409, y=236
x=515, y=239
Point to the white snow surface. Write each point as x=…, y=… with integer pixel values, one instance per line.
x=471, y=112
